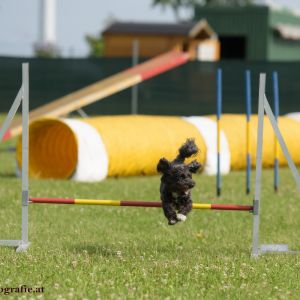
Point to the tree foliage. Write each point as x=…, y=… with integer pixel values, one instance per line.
x=175, y=5
x=96, y=45
x=46, y=51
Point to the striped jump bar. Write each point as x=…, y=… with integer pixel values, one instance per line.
x=137, y=203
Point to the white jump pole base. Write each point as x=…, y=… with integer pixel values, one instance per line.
x=264, y=107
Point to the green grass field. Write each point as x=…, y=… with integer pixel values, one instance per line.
x=81, y=252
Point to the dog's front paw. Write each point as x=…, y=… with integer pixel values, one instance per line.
x=172, y=222
x=181, y=217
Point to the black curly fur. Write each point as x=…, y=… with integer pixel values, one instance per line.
x=177, y=182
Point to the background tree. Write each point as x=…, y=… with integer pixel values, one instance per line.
x=96, y=45
x=176, y=5
x=46, y=51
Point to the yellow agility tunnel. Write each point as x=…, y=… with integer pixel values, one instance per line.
x=90, y=149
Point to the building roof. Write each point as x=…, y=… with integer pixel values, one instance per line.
x=190, y=29
x=287, y=31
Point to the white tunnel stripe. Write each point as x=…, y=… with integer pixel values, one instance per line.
x=92, y=162
x=208, y=130
x=294, y=116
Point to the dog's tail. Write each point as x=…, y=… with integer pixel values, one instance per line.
x=188, y=149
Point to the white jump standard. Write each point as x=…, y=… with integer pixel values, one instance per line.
x=263, y=106
x=22, y=96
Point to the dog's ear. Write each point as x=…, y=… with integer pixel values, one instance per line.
x=163, y=165
x=194, y=166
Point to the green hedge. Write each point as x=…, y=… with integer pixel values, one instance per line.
x=187, y=90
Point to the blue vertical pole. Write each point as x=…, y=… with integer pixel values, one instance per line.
x=219, y=112
x=276, y=114
x=248, y=118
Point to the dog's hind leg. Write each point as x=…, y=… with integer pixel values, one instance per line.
x=183, y=210
x=170, y=212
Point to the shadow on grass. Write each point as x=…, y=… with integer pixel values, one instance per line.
x=8, y=150
x=8, y=175
x=94, y=249
x=114, y=250
x=160, y=252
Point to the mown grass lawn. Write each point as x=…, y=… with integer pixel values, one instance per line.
x=81, y=252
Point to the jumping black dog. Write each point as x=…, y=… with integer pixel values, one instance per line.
x=177, y=182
